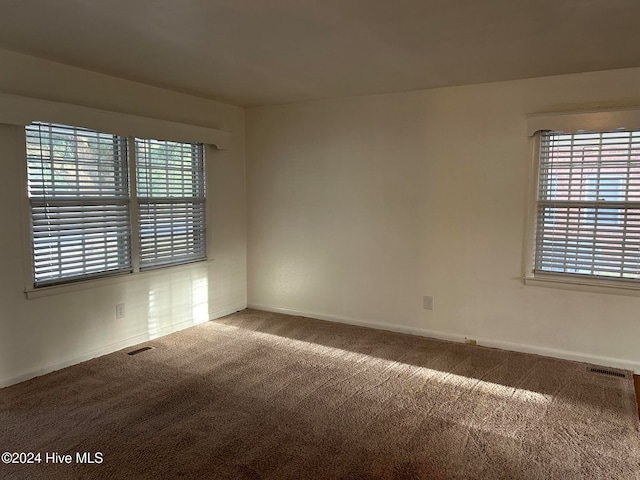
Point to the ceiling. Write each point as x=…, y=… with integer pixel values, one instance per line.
x=252, y=52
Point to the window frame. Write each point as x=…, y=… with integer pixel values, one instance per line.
x=106, y=277
x=198, y=199
x=81, y=196
x=570, y=122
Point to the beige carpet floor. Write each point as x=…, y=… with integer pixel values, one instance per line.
x=258, y=395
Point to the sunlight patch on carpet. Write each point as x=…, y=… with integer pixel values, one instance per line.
x=442, y=377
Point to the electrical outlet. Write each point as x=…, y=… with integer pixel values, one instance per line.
x=428, y=302
x=120, y=311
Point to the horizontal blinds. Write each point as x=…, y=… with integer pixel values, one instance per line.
x=588, y=208
x=171, y=202
x=79, y=197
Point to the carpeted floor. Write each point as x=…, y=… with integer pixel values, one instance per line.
x=258, y=395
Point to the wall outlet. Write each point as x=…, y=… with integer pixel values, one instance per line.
x=120, y=311
x=470, y=341
x=428, y=302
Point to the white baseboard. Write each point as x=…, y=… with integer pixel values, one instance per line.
x=487, y=342
x=454, y=337
x=226, y=311
x=113, y=347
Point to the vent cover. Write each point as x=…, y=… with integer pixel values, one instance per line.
x=604, y=371
x=140, y=350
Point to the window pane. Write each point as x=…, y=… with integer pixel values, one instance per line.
x=78, y=193
x=171, y=202
x=588, y=219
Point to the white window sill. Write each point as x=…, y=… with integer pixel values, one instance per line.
x=591, y=285
x=40, y=292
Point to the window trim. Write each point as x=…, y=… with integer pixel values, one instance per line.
x=569, y=122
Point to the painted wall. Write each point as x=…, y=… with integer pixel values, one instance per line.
x=358, y=207
x=46, y=333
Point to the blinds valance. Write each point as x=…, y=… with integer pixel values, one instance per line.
x=17, y=110
x=604, y=120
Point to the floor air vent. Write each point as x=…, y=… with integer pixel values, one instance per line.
x=140, y=350
x=604, y=371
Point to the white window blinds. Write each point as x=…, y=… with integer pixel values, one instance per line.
x=171, y=202
x=588, y=204
x=79, y=197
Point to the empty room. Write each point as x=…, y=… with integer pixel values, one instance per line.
x=320, y=240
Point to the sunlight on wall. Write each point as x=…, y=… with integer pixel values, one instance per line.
x=200, y=300
x=179, y=300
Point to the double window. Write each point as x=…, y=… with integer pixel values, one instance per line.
x=588, y=205
x=105, y=204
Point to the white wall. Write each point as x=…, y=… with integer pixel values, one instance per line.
x=358, y=207
x=42, y=334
